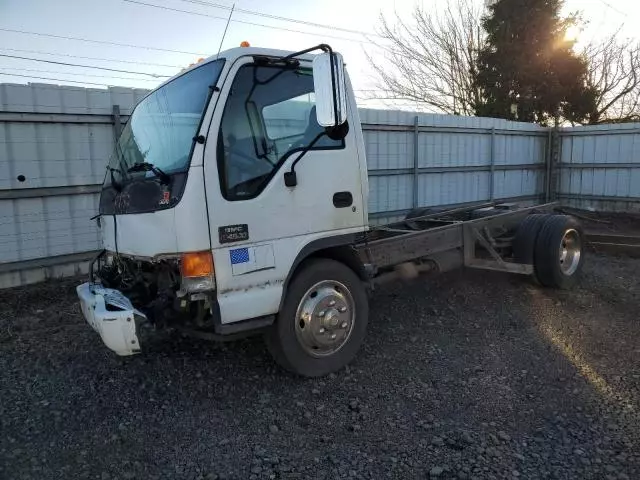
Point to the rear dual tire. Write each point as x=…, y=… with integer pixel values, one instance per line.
x=559, y=252
x=524, y=243
x=554, y=245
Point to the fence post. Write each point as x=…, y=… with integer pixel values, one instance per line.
x=416, y=134
x=117, y=123
x=492, y=165
x=554, y=159
x=547, y=176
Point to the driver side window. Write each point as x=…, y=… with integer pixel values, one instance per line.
x=286, y=122
x=269, y=115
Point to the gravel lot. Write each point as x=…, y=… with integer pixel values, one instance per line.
x=466, y=375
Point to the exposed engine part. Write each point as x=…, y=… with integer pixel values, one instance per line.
x=155, y=289
x=151, y=286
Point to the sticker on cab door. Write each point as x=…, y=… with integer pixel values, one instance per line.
x=233, y=233
x=246, y=260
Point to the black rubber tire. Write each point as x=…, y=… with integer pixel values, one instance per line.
x=524, y=242
x=281, y=338
x=547, y=264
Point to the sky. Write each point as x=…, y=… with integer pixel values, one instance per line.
x=162, y=41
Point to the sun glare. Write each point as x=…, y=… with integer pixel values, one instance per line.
x=572, y=34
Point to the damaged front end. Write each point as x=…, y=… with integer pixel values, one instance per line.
x=125, y=294
x=150, y=286
x=112, y=316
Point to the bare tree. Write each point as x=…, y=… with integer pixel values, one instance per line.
x=430, y=58
x=614, y=75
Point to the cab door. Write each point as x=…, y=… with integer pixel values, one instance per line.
x=258, y=225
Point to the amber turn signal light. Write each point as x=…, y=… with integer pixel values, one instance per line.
x=197, y=264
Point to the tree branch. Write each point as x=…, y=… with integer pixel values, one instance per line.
x=430, y=58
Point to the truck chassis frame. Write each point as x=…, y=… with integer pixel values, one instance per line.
x=449, y=238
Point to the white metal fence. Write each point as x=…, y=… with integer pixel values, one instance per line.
x=600, y=167
x=55, y=143
x=428, y=160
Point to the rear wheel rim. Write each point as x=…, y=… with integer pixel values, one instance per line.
x=570, y=252
x=325, y=318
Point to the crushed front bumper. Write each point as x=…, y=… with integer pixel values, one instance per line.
x=112, y=315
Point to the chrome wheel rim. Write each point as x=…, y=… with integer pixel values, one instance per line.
x=570, y=252
x=325, y=318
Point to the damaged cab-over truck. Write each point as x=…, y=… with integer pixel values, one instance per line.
x=236, y=202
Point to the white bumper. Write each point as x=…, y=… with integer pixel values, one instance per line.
x=112, y=315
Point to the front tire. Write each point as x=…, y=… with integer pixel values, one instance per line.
x=323, y=320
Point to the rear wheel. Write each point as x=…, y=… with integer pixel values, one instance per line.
x=524, y=242
x=559, y=252
x=323, y=320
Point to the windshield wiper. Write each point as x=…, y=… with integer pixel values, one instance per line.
x=150, y=167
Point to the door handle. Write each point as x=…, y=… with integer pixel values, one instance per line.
x=342, y=199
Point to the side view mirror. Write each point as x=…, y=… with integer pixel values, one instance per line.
x=330, y=89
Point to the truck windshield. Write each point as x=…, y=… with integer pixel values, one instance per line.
x=161, y=129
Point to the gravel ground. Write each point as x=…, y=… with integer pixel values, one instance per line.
x=466, y=375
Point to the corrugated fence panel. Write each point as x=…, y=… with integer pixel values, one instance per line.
x=453, y=149
x=390, y=193
x=610, y=182
x=446, y=147
x=387, y=150
x=53, y=154
x=385, y=117
x=518, y=150
x=516, y=183
x=47, y=154
x=47, y=226
x=46, y=98
x=452, y=188
x=600, y=167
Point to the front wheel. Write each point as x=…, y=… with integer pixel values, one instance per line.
x=323, y=320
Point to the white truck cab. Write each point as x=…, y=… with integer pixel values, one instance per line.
x=198, y=178
x=236, y=201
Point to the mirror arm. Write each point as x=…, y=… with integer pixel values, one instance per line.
x=323, y=46
x=327, y=49
x=290, y=177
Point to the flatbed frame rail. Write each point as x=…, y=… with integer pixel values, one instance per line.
x=450, y=238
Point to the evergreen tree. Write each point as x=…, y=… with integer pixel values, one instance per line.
x=527, y=69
